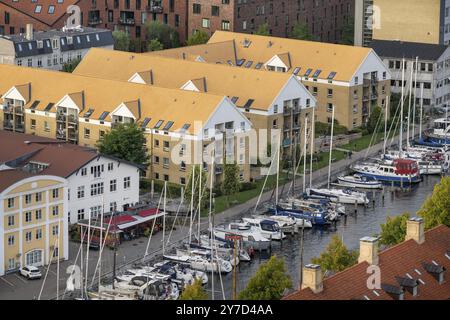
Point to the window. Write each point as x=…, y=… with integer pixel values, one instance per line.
x=113, y=185
x=95, y=211
x=38, y=196
x=166, y=163
x=11, y=221
x=28, y=236
x=28, y=217
x=166, y=145
x=38, y=9
x=55, y=193
x=330, y=93
x=225, y=25
x=113, y=206
x=80, y=214
x=51, y=9
x=38, y=234
x=55, y=252
x=33, y=123
x=196, y=8
x=329, y=107
x=87, y=133
x=55, y=230
x=126, y=182
x=38, y=214
x=11, y=203
x=182, y=181
x=10, y=240
x=215, y=11
x=96, y=189
x=55, y=210
x=110, y=166
x=84, y=171
x=205, y=23
x=80, y=192
x=156, y=143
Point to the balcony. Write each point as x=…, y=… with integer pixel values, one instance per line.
x=367, y=83
x=155, y=8
x=94, y=22
x=61, y=117
x=127, y=21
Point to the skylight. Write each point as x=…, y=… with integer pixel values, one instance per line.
x=158, y=124
x=168, y=125
x=296, y=71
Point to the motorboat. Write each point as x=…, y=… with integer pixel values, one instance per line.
x=251, y=238
x=268, y=228
x=342, y=196
x=201, y=263
x=147, y=288
x=223, y=246
x=399, y=171
x=358, y=181
x=180, y=267
x=314, y=217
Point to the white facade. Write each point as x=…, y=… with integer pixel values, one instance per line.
x=86, y=195
x=433, y=75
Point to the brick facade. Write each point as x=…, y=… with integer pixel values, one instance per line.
x=325, y=18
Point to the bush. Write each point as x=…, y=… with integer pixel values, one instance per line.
x=247, y=186
x=324, y=129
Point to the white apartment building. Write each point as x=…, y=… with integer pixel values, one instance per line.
x=433, y=71
x=52, y=49
x=94, y=181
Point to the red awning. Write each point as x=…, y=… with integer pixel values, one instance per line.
x=117, y=220
x=148, y=212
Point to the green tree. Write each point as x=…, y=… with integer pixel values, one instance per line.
x=121, y=40
x=199, y=37
x=376, y=117
x=269, y=282
x=194, y=291
x=230, y=183
x=301, y=32
x=155, y=45
x=127, y=142
x=162, y=32
x=394, y=230
x=70, y=66
x=336, y=257
x=188, y=189
x=263, y=30
x=436, y=209
x=348, y=32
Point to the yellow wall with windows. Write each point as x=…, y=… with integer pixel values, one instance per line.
x=408, y=20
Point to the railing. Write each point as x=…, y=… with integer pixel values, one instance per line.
x=127, y=21
x=94, y=22
x=153, y=8
x=367, y=82
x=7, y=125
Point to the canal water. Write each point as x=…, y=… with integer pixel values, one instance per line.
x=366, y=222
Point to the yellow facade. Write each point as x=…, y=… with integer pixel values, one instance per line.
x=407, y=20
x=34, y=230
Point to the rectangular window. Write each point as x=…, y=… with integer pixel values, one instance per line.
x=28, y=236
x=38, y=196
x=96, y=189
x=38, y=214
x=55, y=230
x=55, y=210
x=80, y=192
x=38, y=234
x=113, y=185
x=196, y=8
x=28, y=217
x=55, y=193
x=11, y=203
x=11, y=221
x=10, y=240
x=126, y=182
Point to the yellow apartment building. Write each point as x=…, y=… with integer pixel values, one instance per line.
x=352, y=79
x=81, y=109
x=33, y=219
x=271, y=101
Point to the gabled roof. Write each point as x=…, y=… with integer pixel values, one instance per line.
x=342, y=59
x=200, y=84
x=408, y=50
x=11, y=176
x=63, y=159
x=104, y=95
x=220, y=79
x=406, y=259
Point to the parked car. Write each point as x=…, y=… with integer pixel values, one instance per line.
x=30, y=272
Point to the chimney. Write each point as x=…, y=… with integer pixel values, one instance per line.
x=29, y=33
x=312, y=278
x=415, y=230
x=368, y=250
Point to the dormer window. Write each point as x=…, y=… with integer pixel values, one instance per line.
x=436, y=271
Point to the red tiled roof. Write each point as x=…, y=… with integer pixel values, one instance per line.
x=401, y=260
x=63, y=158
x=28, y=8
x=9, y=177
x=148, y=212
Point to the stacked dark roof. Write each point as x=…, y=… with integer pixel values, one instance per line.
x=407, y=50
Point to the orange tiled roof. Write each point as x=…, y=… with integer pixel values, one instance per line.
x=404, y=259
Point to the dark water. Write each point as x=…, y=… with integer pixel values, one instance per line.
x=364, y=223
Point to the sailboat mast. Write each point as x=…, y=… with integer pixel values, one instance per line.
x=212, y=230
x=101, y=247
x=409, y=107
x=57, y=261
x=414, y=102
x=331, y=148
x=386, y=108
x=164, y=219
x=304, y=159
x=199, y=198
x=278, y=168
x=312, y=147
x=87, y=250
x=192, y=203
x=402, y=102
x=421, y=111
